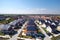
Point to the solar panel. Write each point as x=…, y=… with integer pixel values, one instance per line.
x=31, y=28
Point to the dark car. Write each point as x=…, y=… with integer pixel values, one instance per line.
x=49, y=34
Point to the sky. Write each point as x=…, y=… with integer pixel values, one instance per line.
x=29, y=6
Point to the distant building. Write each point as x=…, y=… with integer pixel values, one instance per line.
x=2, y=17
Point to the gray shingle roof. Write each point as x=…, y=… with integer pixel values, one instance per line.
x=4, y=27
x=7, y=26
x=14, y=22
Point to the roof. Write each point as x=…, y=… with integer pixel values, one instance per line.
x=15, y=21
x=1, y=26
x=31, y=28
x=7, y=26
x=4, y=26
x=31, y=22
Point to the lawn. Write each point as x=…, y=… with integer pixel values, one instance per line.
x=6, y=21
x=56, y=38
x=1, y=33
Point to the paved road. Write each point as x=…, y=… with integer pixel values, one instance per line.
x=19, y=31
x=47, y=37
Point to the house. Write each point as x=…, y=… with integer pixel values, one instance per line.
x=31, y=30
x=7, y=29
x=4, y=26
x=2, y=17
x=1, y=26
x=11, y=24
x=49, y=29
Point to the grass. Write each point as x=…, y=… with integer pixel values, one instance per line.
x=56, y=38
x=1, y=33
x=6, y=21
x=3, y=38
x=45, y=30
x=25, y=36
